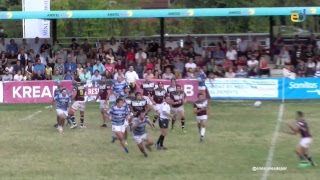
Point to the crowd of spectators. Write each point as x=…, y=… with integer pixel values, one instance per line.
x=45, y=61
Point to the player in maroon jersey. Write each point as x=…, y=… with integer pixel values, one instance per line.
x=104, y=94
x=172, y=88
x=147, y=89
x=178, y=100
x=139, y=104
x=78, y=94
x=157, y=97
x=200, y=109
x=302, y=127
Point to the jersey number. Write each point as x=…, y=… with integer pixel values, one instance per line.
x=81, y=92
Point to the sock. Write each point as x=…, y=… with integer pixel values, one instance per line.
x=172, y=123
x=81, y=120
x=160, y=140
x=301, y=158
x=161, y=143
x=126, y=149
x=155, y=118
x=72, y=118
x=309, y=158
x=182, y=123
x=202, y=131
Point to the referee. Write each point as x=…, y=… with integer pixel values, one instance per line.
x=164, y=122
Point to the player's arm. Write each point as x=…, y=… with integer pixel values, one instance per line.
x=53, y=102
x=74, y=93
x=166, y=112
x=294, y=129
x=151, y=96
x=69, y=103
x=148, y=108
x=195, y=109
x=98, y=95
x=135, y=124
x=151, y=125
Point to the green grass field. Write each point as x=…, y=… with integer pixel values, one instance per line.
x=238, y=137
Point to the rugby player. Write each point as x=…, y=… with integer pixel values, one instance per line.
x=140, y=133
x=201, y=81
x=164, y=122
x=200, y=109
x=302, y=127
x=139, y=105
x=172, y=87
x=117, y=87
x=56, y=92
x=119, y=113
x=178, y=100
x=63, y=102
x=126, y=92
x=104, y=94
x=157, y=98
x=147, y=90
x=78, y=104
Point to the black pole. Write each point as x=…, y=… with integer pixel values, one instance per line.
x=54, y=30
x=162, y=33
x=271, y=34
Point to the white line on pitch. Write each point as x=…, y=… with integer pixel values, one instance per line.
x=273, y=143
x=30, y=116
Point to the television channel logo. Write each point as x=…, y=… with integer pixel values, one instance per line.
x=299, y=17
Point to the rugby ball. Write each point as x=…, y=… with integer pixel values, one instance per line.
x=257, y=104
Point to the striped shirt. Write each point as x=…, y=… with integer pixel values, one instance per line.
x=141, y=126
x=118, y=87
x=62, y=102
x=118, y=115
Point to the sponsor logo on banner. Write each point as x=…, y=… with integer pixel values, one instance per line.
x=190, y=87
x=31, y=91
x=243, y=88
x=127, y=14
x=186, y=13
x=1, y=92
x=302, y=88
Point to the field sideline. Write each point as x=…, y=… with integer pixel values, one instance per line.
x=238, y=137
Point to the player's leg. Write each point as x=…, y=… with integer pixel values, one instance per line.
x=182, y=117
x=119, y=132
x=174, y=118
x=59, y=114
x=56, y=125
x=82, y=108
x=139, y=142
x=156, y=114
x=126, y=124
x=163, y=124
x=103, y=110
x=149, y=143
x=203, y=127
x=72, y=110
x=304, y=146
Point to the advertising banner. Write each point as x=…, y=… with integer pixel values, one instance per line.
x=300, y=88
x=1, y=92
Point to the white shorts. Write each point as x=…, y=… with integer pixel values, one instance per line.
x=148, y=100
x=140, y=139
x=61, y=112
x=79, y=105
x=126, y=123
x=177, y=110
x=103, y=105
x=306, y=142
x=156, y=107
x=201, y=118
x=121, y=128
x=202, y=88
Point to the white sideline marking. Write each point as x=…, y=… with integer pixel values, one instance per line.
x=30, y=116
x=47, y=107
x=273, y=143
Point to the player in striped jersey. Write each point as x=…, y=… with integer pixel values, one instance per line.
x=117, y=87
x=126, y=92
x=140, y=132
x=118, y=114
x=104, y=94
x=200, y=109
x=56, y=92
x=63, y=103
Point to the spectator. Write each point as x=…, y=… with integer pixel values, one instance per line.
x=38, y=76
x=218, y=72
x=3, y=45
x=232, y=55
x=96, y=76
x=59, y=66
x=309, y=53
x=68, y=76
x=9, y=68
x=31, y=56
x=159, y=54
x=180, y=54
x=131, y=76
x=170, y=55
x=179, y=65
x=264, y=67
x=143, y=45
x=109, y=66
x=167, y=64
x=29, y=71
x=12, y=58
x=86, y=47
x=241, y=73
x=3, y=58
x=70, y=66
x=119, y=73
x=177, y=74
x=301, y=69
x=85, y=75
x=242, y=47
x=114, y=45
x=130, y=56
x=171, y=44
x=140, y=55
x=7, y=76
x=48, y=72
x=297, y=55
x=120, y=66
x=122, y=51
x=157, y=75
x=107, y=75
x=208, y=57
x=191, y=53
x=100, y=54
x=230, y=73
x=18, y=67
x=45, y=49
x=149, y=65
x=189, y=74
x=158, y=68
x=36, y=45
x=43, y=60
x=73, y=57
x=227, y=64
x=317, y=69
x=56, y=47
x=24, y=45
x=98, y=66
x=38, y=67
x=18, y=76
x=133, y=44
x=74, y=46
x=253, y=66
x=79, y=69
x=89, y=68
x=2, y=69
x=148, y=74
x=63, y=55
x=167, y=74
x=210, y=66
x=51, y=60
x=284, y=57
x=153, y=47
x=56, y=76
x=254, y=44
x=111, y=55
x=12, y=47
x=311, y=67
x=82, y=57
x=188, y=43
x=218, y=56
x=139, y=68
x=191, y=65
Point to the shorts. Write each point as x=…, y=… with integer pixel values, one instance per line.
x=61, y=112
x=140, y=138
x=156, y=107
x=202, y=88
x=79, y=105
x=202, y=118
x=121, y=128
x=126, y=123
x=163, y=123
x=177, y=110
x=103, y=105
x=306, y=142
x=148, y=100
